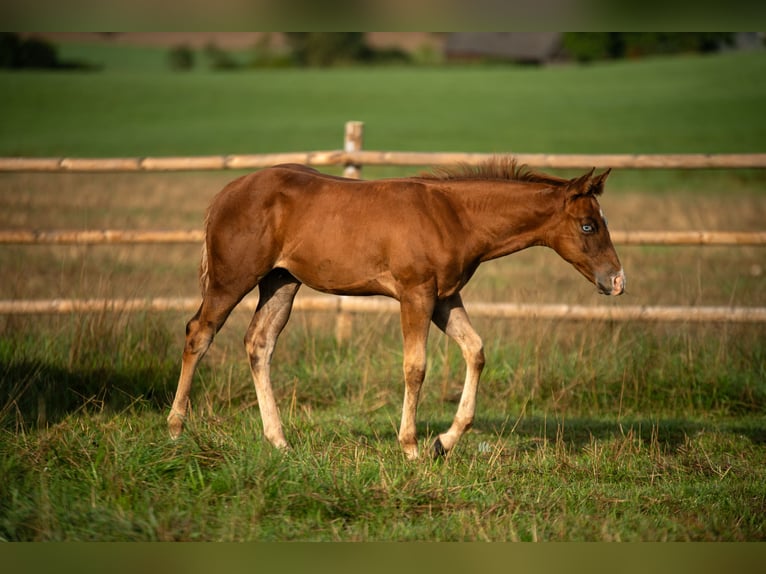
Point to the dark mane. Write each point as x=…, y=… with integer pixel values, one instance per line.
x=501, y=168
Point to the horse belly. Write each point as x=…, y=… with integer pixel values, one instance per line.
x=344, y=270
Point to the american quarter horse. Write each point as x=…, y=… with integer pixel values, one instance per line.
x=416, y=239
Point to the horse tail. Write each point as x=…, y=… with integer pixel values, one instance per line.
x=204, y=277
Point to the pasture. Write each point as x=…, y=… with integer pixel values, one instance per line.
x=584, y=430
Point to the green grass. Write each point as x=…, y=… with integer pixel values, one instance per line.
x=689, y=104
x=643, y=442
x=584, y=431
x=122, y=480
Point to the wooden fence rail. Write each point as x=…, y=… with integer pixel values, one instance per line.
x=352, y=157
x=373, y=305
x=360, y=157
x=128, y=236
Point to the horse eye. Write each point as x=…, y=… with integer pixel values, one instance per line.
x=587, y=228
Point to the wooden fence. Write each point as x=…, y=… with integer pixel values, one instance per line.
x=350, y=305
x=114, y=236
x=352, y=157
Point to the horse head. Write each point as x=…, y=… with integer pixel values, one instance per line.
x=580, y=235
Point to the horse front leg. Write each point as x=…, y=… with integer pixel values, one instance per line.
x=450, y=316
x=416, y=317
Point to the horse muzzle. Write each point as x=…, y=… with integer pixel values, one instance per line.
x=612, y=285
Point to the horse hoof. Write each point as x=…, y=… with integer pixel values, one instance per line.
x=175, y=425
x=410, y=451
x=439, y=450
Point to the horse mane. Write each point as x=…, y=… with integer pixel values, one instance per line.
x=497, y=168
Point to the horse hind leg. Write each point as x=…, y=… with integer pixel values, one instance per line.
x=200, y=331
x=277, y=291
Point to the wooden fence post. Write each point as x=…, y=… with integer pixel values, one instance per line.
x=352, y=141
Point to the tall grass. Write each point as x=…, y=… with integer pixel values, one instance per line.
x=93, y=362
x=97, y=362
x=591, y=433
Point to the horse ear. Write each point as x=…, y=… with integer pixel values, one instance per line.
x=597, y=183
x=580, y=185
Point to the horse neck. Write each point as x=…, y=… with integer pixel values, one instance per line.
x=506, y=217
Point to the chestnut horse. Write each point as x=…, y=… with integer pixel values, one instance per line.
x=418, y=240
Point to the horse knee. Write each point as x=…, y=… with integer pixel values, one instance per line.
x=414, y=373
x=474, y=353
x=255, y=347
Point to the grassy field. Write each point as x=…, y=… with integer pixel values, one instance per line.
x=584, y=431
x=692, y=104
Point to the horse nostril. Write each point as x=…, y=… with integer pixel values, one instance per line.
x=618, y=284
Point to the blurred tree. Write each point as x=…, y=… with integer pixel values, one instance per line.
x=587, y=46
x=220, y=59
x=18, y=52
x=590, y=46
x=181, y=58
x=9, y=46
x=328, y=48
